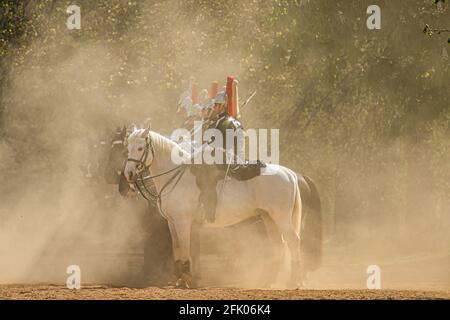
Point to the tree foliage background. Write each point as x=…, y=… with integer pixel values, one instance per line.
x=365, y=113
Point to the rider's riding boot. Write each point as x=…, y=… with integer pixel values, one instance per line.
x=209, y=205
x=207, y=180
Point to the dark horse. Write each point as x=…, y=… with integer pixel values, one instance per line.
x=158, y=261
x=158, y=252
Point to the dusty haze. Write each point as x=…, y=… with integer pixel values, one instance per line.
x=366, y=115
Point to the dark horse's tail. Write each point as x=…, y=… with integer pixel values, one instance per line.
x=311, y=233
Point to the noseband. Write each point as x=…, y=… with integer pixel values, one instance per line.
x=141, y=166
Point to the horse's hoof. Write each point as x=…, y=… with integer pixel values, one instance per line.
x=185, y=282
x=179, y=284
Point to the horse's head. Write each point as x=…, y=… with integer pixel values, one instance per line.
x=140, y=153
x=116, y=157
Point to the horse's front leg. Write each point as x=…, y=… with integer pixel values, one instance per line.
x=195, y=252
x=181, y=239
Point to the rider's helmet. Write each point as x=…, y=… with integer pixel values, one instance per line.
x=186, y=103
x=203, y=97
x=182, y=100
x=209, y=104
x=194, y=111
x=207, y=108
x=221, y=98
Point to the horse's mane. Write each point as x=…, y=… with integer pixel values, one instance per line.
x=164, y=144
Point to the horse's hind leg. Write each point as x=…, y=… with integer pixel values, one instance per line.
x=293, y=242
x=276, y=260
x=292, y=239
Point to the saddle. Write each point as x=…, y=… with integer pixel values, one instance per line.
x=247, y=171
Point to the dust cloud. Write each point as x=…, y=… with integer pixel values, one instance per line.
x=67, y=90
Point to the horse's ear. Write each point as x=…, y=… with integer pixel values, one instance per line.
x=145, y=133
x=148, y=123
x=123, y=133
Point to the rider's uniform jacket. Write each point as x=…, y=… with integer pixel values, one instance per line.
x=224, y=122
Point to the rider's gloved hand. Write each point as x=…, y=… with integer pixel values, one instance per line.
x=209, y=217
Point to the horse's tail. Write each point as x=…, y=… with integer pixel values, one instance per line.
x=297, y=207
x=311, y=244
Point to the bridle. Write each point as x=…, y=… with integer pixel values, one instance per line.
x=142, y=168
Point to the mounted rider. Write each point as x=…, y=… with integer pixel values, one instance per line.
x=223, y=118
x=223, y=121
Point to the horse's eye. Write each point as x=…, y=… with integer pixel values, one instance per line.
x=140, y=149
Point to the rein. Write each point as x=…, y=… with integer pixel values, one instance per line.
x=176, y=177
x=140, y=181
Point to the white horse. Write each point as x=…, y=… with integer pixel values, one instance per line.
x=274, y=195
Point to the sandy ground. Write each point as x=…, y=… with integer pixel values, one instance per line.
x=423, y=276
x=152, y=293
x=116, y=273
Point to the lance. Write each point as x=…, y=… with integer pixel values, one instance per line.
x=429, y=30
x=248, y=100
